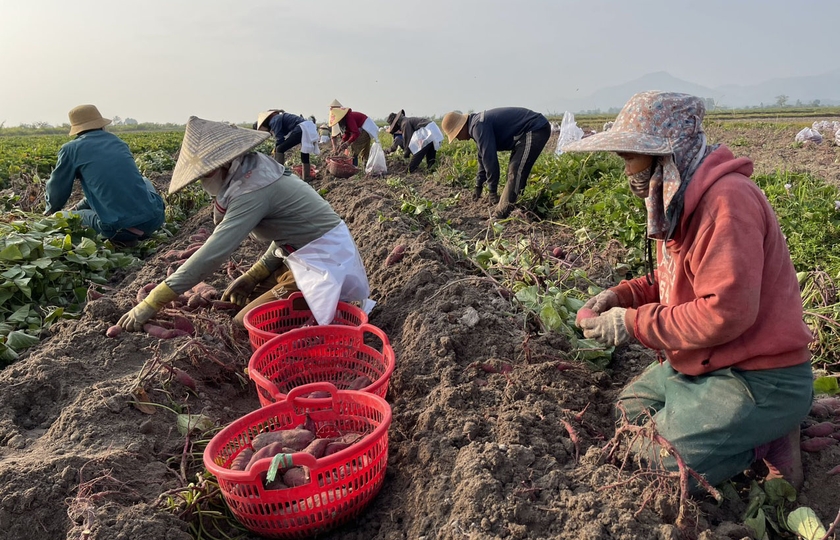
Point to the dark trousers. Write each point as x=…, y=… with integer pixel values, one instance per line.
x=427, y=152
x=292, y=140
x=526, y=149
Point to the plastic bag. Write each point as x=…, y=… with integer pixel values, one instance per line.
x=376, y=160
x=569, y=132
x=809, y=135
x=837, y=138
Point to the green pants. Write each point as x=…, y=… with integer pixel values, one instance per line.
x=716, y=420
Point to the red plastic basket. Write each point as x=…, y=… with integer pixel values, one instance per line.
x=341, y=485
x=274, y=318
x=327, y=353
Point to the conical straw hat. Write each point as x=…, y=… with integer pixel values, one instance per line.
x=263, y=117
x=337, y=114
x=335, y=103
x=209, y=145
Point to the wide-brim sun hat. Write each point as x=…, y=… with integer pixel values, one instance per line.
x=452, y=124
x=86, y=117
x=644, y=126
x=263, y=117
x=394, y=121
x=337, y=114
x=207, y=146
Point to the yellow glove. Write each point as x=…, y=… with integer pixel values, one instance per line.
x=145, y=310
x=241, y=287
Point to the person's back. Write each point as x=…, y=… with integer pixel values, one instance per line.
x=110, y=180
x=506, y=123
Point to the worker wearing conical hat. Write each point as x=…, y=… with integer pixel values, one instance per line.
x=290, y=130
x=311, y=248
x=119, y=203
x=359, y=132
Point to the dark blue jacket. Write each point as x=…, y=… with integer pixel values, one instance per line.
x=496, y=129
x=281, y=124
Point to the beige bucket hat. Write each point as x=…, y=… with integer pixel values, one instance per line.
x=263, y=117
x=452, y=124
x=85, y=117
x=209, y=145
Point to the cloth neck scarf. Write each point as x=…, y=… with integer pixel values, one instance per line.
x=248, y=173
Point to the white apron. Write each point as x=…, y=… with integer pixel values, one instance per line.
x=330, y=269
x=372, y=129
x=428, y=134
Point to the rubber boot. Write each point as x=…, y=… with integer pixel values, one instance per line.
x=783, y=458
x=280, y=157
x=306, y=168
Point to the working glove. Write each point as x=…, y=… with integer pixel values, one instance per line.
x=603, y=301
x=241, y=288
x=608, y=328
x=145, y=310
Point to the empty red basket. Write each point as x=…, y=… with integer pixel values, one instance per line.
x=274, y=318
x=340, y=485
x=327, y=353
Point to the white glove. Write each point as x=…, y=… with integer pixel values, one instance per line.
x=603, y=301
x=608, y=328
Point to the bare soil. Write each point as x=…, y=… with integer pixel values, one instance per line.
x=472, y=454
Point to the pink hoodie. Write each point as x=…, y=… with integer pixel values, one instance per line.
x=726, y=294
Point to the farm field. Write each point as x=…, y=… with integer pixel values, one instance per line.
x=492, y=382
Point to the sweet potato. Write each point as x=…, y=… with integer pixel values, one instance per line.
x=242, y=459
x=267, y=451
x=277, y=483
x=195, y=238
x=296, y=439
x=396, y=255
x=182, y=323
x=817, y=443
x=183, y=378
x=340, y=443
x=818, y=410
x=318, y=394
x=187, y=253
x=832, y=403
x=584, y=313
x=835, y=470
x=558, y=252
x=114, y=331
x=197, y=301
x=296, y=476
x=155, y=331
x=219, y=305
x=144, y=291
x=823, y=429
x=359, y=382
x=317, y=447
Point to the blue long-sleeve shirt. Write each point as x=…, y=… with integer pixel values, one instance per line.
x=281, y=124
x=497, y=129
x=112, y=184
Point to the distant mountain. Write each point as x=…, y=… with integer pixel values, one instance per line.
x=825, y=87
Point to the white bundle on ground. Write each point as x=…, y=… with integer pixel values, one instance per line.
x=826, y=126
x=809, y=135
x=569, y=132
x=837, y=138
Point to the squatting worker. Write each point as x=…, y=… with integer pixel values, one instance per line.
x=522, y=131
x=359, y=132
x=118, y=202
x=290, y=130
x=723, y=302
x=311, y=248
x=422, y=135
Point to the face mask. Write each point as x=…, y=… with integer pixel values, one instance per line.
x=213, y=184
x=640, y=181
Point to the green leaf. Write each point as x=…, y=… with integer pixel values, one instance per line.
x=804, y=522
x=7, y=355
x=11, y=253
x=826, y=385
x=757, y=498
x=779, y=490
x=189, y=422
x=19, y=340
x=20, y=315
x=757, y=524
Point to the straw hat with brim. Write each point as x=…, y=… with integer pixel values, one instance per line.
x=452, y=124
x=395, y=121
x=337, y=114
x=209, y=145
x=263, y=117
x=86, y=117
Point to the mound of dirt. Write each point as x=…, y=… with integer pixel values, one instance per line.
x=483, y=402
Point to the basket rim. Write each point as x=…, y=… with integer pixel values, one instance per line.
x=229, y=432
x=262, y=308
x=388, y=354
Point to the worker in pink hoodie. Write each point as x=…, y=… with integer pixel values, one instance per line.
x=722, y=308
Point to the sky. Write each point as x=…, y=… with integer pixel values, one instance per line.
x=163, y=61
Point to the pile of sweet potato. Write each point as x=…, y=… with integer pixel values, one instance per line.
x=825, y=430
x=303, y=438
